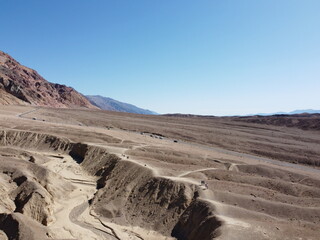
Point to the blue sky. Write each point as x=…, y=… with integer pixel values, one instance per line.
x=214, y=57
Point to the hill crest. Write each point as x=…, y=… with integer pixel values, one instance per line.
x=24, y=86
x=110, y=104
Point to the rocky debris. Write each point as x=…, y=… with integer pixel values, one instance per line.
x=303, y=121
x=22, y=85
x=124, y=187
x=16, y=226
x=197, y=222
x=159, y=201
x=6, y=203
x=3, y=236
x=28, y=189
x=32, y=200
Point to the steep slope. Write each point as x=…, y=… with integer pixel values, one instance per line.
x=114, y=105
x=24, y=86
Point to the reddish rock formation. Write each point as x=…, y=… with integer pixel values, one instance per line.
x=24, y=86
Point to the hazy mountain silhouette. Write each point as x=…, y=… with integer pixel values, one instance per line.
x=114, y=105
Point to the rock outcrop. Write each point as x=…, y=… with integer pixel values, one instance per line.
x=24, y=86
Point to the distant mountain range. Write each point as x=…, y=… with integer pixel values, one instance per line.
x=110, y=104
x=20, y=85
x=310, y=111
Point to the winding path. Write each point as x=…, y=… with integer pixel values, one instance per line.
x=76, y=221
x=194, y=171
x=25, y=113
x=77, y=211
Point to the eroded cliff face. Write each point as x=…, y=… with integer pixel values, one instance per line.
x=22, y=85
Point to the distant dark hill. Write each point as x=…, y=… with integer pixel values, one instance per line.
x=110, y=104
x=310, y=111
x=303, y=121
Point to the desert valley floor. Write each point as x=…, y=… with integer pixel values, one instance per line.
x=92, y=174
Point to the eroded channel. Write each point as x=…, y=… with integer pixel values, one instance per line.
x=85, y=192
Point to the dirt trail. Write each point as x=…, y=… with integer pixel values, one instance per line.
x=244, y=156
x=73, y=216
x=26, y=113
x=232, y=201
x=79, y=212
x=193, y=171
x=164, y=140
x=72, y=220
x=232, y=225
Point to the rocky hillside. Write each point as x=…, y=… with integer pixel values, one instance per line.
x=24, y=86
x=114, y=105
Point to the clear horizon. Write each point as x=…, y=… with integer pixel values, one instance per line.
x=205, y=57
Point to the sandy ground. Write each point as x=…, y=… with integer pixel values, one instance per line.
x=73, y=219
x=255, y=197
x=68, y=210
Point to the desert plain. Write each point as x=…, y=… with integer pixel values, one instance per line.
x=93, y=174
